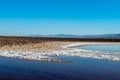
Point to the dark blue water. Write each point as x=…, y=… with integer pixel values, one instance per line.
x=79, y=69
x=102, y=47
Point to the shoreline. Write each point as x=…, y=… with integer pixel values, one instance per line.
x=88, y=43
x=49, y=51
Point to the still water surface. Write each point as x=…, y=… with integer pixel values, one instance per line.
x=79, y=69
x=102, y=47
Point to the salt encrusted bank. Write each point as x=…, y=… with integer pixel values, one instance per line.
x=50, y=50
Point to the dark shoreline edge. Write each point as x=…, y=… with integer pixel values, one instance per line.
x=21, y=40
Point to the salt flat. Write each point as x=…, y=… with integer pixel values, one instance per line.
x=50, y=50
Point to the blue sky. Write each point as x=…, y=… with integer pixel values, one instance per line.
x=81, y=17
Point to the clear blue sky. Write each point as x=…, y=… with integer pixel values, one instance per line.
x=81, y=17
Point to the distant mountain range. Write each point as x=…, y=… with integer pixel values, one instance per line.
x=79, y=36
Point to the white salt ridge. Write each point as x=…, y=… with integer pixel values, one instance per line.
x=50, y=55
x=29, y=56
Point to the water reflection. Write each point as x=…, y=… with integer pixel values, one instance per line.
x=102, y=47
x=79, y=69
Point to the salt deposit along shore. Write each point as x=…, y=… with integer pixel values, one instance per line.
x=49, y=51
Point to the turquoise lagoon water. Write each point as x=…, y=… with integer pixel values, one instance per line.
x=102, y=47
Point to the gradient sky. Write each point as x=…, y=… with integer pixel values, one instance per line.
x=81, y=17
